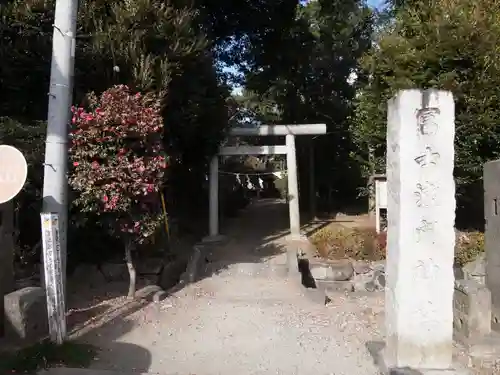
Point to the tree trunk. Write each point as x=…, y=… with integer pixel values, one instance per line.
x=131, y=270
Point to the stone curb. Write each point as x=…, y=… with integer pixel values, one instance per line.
x=194, y=267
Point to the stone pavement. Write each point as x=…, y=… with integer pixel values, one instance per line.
x=239, y=322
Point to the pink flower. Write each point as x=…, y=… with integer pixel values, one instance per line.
x=76, y=164
x=105, y=198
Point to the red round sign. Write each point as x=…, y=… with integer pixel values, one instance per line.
x=13, y=172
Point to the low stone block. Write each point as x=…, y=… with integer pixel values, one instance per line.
x=330, y=287
x=361, y=267
x=476, y=270
x=171, y=273
x=331, y=270
x=150, y=266
x=372, y=281
x=26, y=314
x=471, y=310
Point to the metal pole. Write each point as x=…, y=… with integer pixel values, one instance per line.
x=55, y=183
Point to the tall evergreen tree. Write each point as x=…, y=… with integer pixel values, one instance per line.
x=445, y=44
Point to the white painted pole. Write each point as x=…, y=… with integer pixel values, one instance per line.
x=55, y=185
x=60, y=98
x=293, y=187
x=214, y=197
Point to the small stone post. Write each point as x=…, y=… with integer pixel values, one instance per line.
x=214, y=197
x=293, y=187
x=6, y=256
x=421, y=236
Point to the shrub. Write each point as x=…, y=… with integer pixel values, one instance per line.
x=468, y=246
x=338, y=242
x=118, y=165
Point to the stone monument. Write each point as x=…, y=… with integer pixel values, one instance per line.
x=13, y=173
x=421, y=235
x=491, y=181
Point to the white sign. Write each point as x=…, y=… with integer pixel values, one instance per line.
x=13, y=172
x=381, y=191
x=380, y=201
x=54, y=287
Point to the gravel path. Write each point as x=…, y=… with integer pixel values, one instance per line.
x=235, y=324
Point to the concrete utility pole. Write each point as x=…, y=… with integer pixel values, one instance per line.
x=60, y=100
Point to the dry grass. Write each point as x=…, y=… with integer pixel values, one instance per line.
x=469, y=245
x=336, y=241
x=339, y=242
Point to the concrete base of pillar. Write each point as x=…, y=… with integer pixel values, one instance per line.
x=214, y=239
x=409, y=371
x=377, y=351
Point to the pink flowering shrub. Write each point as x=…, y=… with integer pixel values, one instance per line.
x=117, y=161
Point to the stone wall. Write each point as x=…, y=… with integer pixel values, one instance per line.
x=471, y=310
x=347, y=275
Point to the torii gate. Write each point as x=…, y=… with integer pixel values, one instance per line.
x=289, y=131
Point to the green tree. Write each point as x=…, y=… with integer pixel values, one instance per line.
x=307, y=72
x=150, y=45
x=445, y=44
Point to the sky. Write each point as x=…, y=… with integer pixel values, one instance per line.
x=375, y=3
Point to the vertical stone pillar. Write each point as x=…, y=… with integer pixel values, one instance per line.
x=421, y=235
x=491, y=182
x=214, y=197
x=312, y=181
x=293, y=187
x=6, y=256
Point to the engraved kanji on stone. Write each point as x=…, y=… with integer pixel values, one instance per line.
x=425, y=226
x=425, y=194
x=427, y=120
x=427, y=158
x=426, y=269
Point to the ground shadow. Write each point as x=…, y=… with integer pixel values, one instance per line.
x=103, y=331
x=256, y=235
x=133, y=358
x=375, y=348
